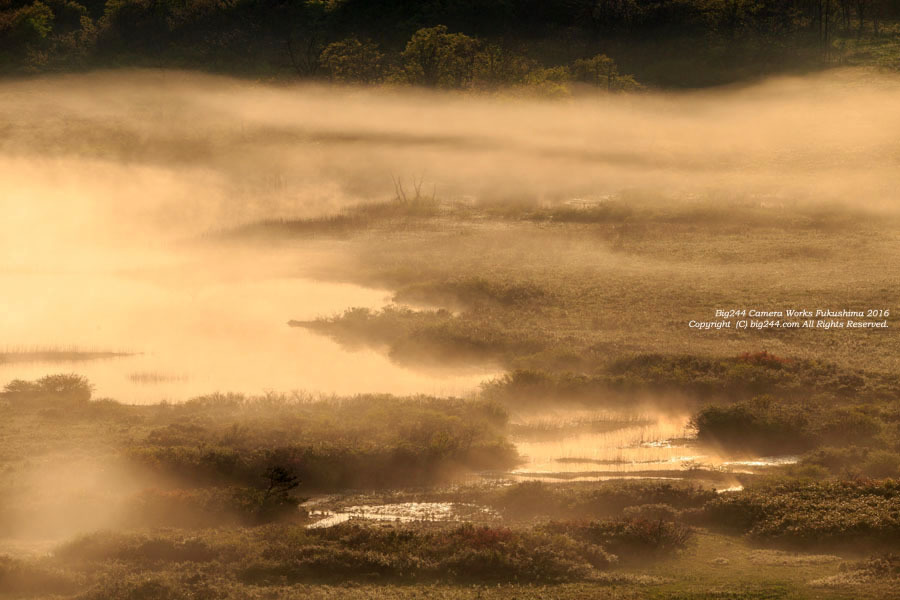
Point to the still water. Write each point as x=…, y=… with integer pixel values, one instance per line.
x=193, y=326
x=597, y=445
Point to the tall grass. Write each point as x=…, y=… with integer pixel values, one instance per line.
x=56, y=353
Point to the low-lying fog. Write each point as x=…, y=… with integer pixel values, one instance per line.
x=106, y=178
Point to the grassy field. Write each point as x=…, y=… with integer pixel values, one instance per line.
x=578, y=287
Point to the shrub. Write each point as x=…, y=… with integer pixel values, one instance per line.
x=462, y=553
x=856, y=460
x=20, y=577
x=885, y=565
x=844, y=426
x=769, y=426
x=470, y=552
x=629, y=538
x=748, y=375
x=881, y=463
x=652, y=512
x=846, y=513
x=527, y=499
x=531, y=499
x=761, y=424
x=62, y=387
x=366, y=441
x=107, y=545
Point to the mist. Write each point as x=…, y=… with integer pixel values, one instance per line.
x=108, y=181
x=474, y=350
x=171, y=154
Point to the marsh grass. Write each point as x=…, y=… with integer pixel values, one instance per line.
x=425, y=336
x=472, y=293
x=591, y=293
x=400, y=213
x=13, y=354
x=155, y=377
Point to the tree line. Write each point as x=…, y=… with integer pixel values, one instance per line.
x=443, y=43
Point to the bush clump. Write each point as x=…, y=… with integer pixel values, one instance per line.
x=67, y=388
x=856, y=461
x=772, y=426
x=108, y=545
x=536, y=499
x=806, y=514
x=751, y=374
x=635, y=537
x=476, y=553
x=23, y=578
x=365, y=441
x=761, y=424
x=351, y=551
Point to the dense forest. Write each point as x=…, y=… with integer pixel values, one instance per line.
x=543, y=45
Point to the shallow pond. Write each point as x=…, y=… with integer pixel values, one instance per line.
x=194, y=330
x=402, y=512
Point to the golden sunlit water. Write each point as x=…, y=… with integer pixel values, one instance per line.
x=193, y=338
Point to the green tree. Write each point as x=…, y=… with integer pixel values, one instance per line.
x=496, y=66
x=25, y=27
x=602, y=71
x=435, y=58
x=67, y=15
x=35, y=22
x=351, y=60
x=303, y=25
x=550, y=81
x=136, y=25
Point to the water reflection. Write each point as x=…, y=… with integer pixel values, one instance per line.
x=403, y=512
x=631, y=442
x=591, y=445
